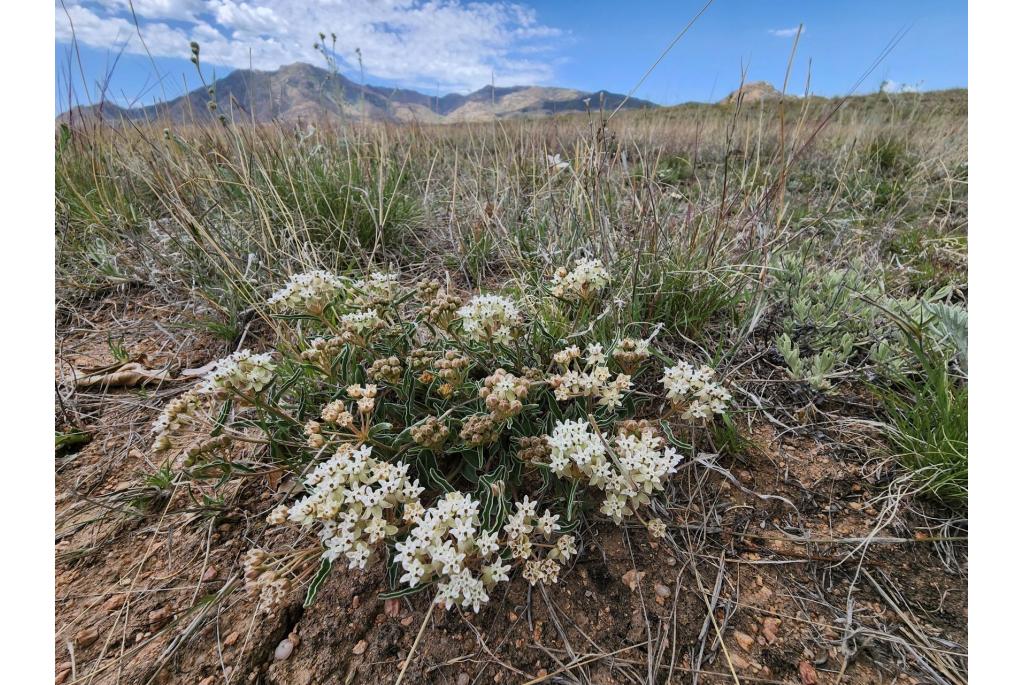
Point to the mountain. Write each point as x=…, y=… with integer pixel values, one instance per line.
x=298, y=92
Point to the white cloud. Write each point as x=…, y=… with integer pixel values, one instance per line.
x=787, y=33
x=156, y=9
x=890, y=86
x=455, y=44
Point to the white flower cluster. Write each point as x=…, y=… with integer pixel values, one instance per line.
x=444, y=543
x=308, y=292
x=594, y=379
x=355, y=497
x=376, y=290
x=490, y=318
x=587, y=279
x=694, y=391
x=243, y=372
x=525, y=523
x=356, y=327
x=634, y=468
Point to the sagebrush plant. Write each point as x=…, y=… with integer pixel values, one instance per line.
x=458, y=442
x=835, y=320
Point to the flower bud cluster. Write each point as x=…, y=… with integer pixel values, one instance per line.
x=264, y=578
x=323, y=351
x=364, y=395
x=178, y=412
x=441, y=309
x=386, y=370
x=431, y=433
x=503, y=394
x=337, y=412
x=630, y=353
x=534, y=449
x=207, y=446
x=452, y=367
x=480, y=429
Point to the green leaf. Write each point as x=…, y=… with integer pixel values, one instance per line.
x=318, y=579
x=65, y=441
x=222, y=418
x=438, y=480
x=404, y=592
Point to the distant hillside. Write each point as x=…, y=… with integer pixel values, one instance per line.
x=304, y=92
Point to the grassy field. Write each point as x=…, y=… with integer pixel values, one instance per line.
x=811, y=254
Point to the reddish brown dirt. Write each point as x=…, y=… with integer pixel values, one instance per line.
x=131, y=586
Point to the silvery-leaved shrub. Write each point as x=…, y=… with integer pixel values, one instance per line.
x=834, y=320
x=456, y=441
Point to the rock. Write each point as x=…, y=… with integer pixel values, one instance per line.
x=211, y=574
x=360, y=647
x=86, y=637
x=745, y=641
x=392, y=607
x=159, y=617
x=407, y=621
x=633, y=578
x=808, y=676
x=662, y=591
x=62, y=676
x=355, y=602
x=114, y=602
x=738, y=662
x=463, y=679
x=208, y=680
x=284, y=650
x=770, y=629
x=231, y=639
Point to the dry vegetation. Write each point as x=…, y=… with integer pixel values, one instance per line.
x=813, y=254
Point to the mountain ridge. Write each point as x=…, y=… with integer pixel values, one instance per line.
x=302, y=91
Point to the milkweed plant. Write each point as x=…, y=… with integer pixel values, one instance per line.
x=456, y=442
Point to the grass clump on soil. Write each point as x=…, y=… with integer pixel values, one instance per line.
x=927, y=409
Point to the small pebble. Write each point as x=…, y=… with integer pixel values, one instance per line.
x=770, y=629
x=360, y=647
x=745, y=641
x=86, y=637
x=284, y=650
x=392, y=607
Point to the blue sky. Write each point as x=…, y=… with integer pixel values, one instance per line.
x=453, y=46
